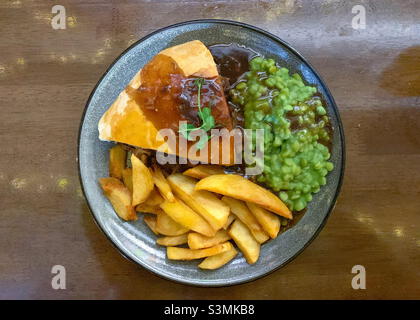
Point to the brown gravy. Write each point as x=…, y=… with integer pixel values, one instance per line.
x=167, y=96
x=232, y=60
x=295, y=126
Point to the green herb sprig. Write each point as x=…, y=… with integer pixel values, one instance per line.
x=207, y=120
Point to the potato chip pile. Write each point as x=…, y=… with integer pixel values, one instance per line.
x=201, y=209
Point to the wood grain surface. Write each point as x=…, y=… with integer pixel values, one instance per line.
x=46, y=76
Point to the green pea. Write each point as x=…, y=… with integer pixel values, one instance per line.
x=289, y=162
x=299, y=187
x=318, y=165
x=321, y=110
x=258, y=60
x=241, y=86
x=253, y=89
x=270, y=82
x=303, y=162
x=297, y=170
x=270, y=62
x=300, y=205
x=329, y=166
x=283, y=196
x=296, y=146
x=286, y=169
x=288, y=177
x=295, y=195
x=297, y=77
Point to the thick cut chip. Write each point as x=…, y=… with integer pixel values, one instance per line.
x=117, y=159
x=211, y=208
x=119, y=196
x=142, y=181
x=238, y=187
x=198, y=241
x=242, y=212
x=175, y=253
x=127, y=176
x=187, y=217
x=218, y=260
x=245, y=241
x=146, y=208
x=229, y=221
x=154, y=198
x=269, y=221
x=172, y=241
x=203, y=170
x=162, y=184
x=151, y=222
x=167, y=226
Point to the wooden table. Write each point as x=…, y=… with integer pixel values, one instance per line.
x=46, y=76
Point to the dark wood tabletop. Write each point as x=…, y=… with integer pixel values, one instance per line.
x=46, y=76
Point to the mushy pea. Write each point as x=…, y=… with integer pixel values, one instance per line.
x=295, y=130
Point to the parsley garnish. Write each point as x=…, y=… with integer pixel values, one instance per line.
x=207, y=120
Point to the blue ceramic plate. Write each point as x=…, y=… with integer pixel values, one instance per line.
x=133, y=239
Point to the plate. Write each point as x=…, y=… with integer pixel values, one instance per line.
x=133, y=239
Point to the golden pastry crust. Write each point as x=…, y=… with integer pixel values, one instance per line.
x=125, y=122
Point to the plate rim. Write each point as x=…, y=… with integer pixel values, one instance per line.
x=197, y=283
